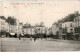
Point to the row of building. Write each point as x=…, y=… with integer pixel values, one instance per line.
x=68, y=27
x=35, y=30
x=8, y=28
x=19, y=28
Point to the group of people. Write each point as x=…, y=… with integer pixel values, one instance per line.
x=35, y=37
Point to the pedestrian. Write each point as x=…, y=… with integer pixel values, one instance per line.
x=23, y=38
x=20, y=37
x=41, y=36
x=35, y=37
x=30, y=37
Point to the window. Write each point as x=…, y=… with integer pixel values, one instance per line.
x=76, y=30
x=2, y=23
x=64, y=30
x=71, y=25
x=65, y=25
x=71, y=30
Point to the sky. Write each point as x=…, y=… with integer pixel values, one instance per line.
x=34, y=12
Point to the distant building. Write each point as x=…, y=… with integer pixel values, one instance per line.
x=20, y=28
x=4, y=27
x=47, y=31
x=12, y=29
x=29, y=30
x=77, y=23
x=40, y=29
x=68, y=27
x=55, y=29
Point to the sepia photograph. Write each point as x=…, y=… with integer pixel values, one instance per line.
x=39, y=25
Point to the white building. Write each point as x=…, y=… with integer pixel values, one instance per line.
x=12, y=29
x=20, y=28
x=3, y=25
x=77, y=21
x=41, y=30
x=77, y=24
x=16, y=28
x=29, y=30
x=69, y=26
x=54, y=29
x=48, y=31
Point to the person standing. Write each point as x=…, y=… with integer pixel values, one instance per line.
x=19, y=36
x=30, y=37
x=35, y=37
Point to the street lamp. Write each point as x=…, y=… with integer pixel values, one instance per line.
x=31, y=34
x=46, y=34
x=41, y=33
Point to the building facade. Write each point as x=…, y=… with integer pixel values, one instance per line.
x=68, y=30
x=10, y=30
x=29, y=31
x=55, y=30
x=4, y=27
x=77, y=26
x=68, y=27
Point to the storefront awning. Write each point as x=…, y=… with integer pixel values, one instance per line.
x=22, y=34
x=12, y=33
x=63, y=34
x=76, y=34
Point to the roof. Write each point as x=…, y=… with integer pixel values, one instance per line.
x=70, y=17
x=40, y=26
x=29, y=27
x=2, y=17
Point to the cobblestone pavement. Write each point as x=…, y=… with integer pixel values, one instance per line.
x=25, y=45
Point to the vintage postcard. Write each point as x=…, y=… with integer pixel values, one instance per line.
x=39, y=25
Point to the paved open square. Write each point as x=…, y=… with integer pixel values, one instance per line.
x=25, y=45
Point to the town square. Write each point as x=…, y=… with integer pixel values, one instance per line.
x=39, y=26
x=49, y=45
